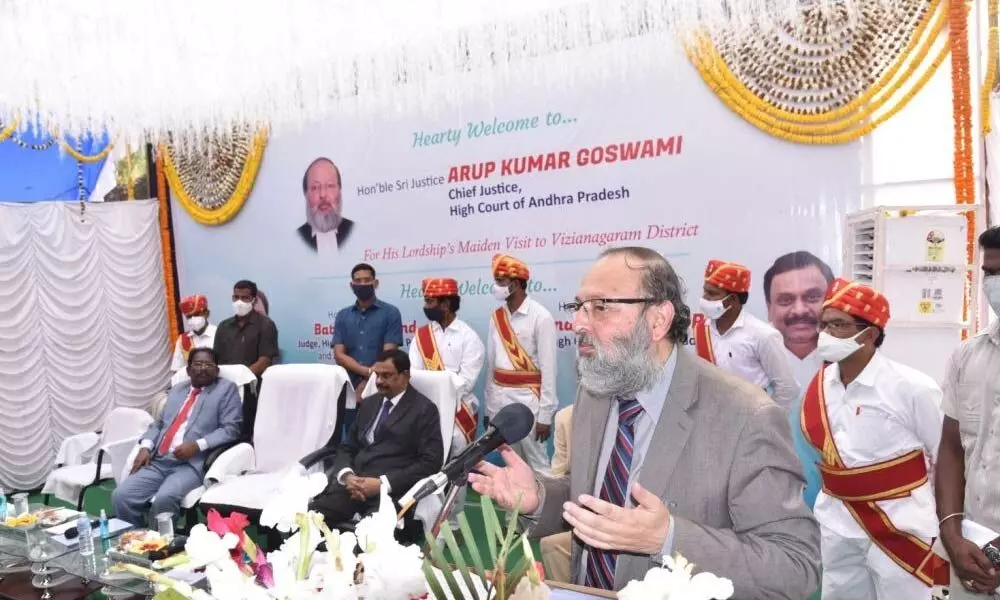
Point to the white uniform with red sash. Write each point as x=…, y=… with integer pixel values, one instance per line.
x=459, y=351
x=878, y=438
x=188, y=341
x=521, y=356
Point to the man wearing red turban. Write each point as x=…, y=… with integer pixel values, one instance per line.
x=447, y=343
x=521, y=357
x=738, y=342
x=876, y=425
x=198, y=333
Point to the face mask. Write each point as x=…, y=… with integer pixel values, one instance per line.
x=991, y=285
x=435, y=314
x=834, y=349
x=196, y=323
x=713, y=309
x=363, y=292
x=501, y=293
x=242, y=308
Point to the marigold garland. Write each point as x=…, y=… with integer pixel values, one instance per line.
x=763, y=104
x=85, y=158
x=218, y=212
x=7, y=131
x=961, y=100
x=167, y=254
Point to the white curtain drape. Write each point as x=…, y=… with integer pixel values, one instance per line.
x=83, y=325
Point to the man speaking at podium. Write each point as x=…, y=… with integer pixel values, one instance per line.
x=722, y=485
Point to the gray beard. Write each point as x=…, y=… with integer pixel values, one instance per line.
x=322, y=222
x=624, y=368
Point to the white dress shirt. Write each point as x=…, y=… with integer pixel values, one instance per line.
x=972, y=397
x=536, y=331
x=205, y=340
x=326, y=243
x=179, y=436
x=804, y=369
x=753, y=350
x=370, y=438
x=886, y=412
x=462, y=353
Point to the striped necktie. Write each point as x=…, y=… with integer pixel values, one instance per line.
x=601, y=563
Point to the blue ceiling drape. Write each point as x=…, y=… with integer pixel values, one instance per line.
x=33, y=175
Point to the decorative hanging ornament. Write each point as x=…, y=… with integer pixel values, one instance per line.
x=213, y=180
x=833, y=78
x=209, y=66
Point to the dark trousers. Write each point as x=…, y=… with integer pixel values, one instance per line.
x=337, y=506
x=249, y=412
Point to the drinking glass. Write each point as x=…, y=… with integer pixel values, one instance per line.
x=21, y=504
x=165, y=525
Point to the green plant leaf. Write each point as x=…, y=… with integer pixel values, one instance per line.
x=449, y=577
x=432, y=581
x=169, y=594
x=512, y=526
x=456, y=556
x=473, y=545
x=492, y=525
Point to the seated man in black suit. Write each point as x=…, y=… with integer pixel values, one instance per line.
x=395, y=440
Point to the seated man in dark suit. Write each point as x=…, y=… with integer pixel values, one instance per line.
x=199, y=415
x=396, y=441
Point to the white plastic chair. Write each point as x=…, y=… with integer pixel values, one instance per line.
x=439, y=387
x=296, y=415
x=84, y=459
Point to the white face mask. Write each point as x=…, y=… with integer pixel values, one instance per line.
x=834, y=349
x=991, y=286
x=713, y=309
x=242, y=308
x=500, y=292
x=196, y=323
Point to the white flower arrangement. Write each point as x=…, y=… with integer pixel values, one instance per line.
x=237, y=570
x=674, y=581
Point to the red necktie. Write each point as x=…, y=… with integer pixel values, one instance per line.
x=179, y=420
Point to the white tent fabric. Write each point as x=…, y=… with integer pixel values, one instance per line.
x=993, y=160
x=83, y=325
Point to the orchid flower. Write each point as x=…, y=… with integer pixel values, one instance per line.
x=675, y=582
x=205, y=547
x=378, y=528
x=291, y=499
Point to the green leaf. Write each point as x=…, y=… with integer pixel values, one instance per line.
x=456, y=555
x=169, y=594
x=432, y=581
x=512, y=526
x=473, y=545
x=449, y=577
x=516, y=574
x=492, y=525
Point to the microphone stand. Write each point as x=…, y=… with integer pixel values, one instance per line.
x=449, y=502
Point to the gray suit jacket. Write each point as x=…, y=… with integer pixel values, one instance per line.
x=721, y=458
x=217, y=416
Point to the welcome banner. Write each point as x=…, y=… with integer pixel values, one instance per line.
x=552, y=177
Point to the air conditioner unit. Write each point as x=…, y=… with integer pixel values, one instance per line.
x=916, y=256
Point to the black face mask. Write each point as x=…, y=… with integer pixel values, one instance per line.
x=435, y=314
x=364, y=292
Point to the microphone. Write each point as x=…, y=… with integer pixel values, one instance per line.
x=73, y=532
x=510, y=425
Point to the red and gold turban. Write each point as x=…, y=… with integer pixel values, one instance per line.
x=858, y=300
x=728, y=276
x=440, y=287
x=193, y=304
x=506, y=266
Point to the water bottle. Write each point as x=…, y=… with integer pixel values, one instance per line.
x=86, y=536
x=3, y=505
x=105, y=532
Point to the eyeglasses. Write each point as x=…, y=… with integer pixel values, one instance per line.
x=600, y=305
x=198, y=364
x=841, y=326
